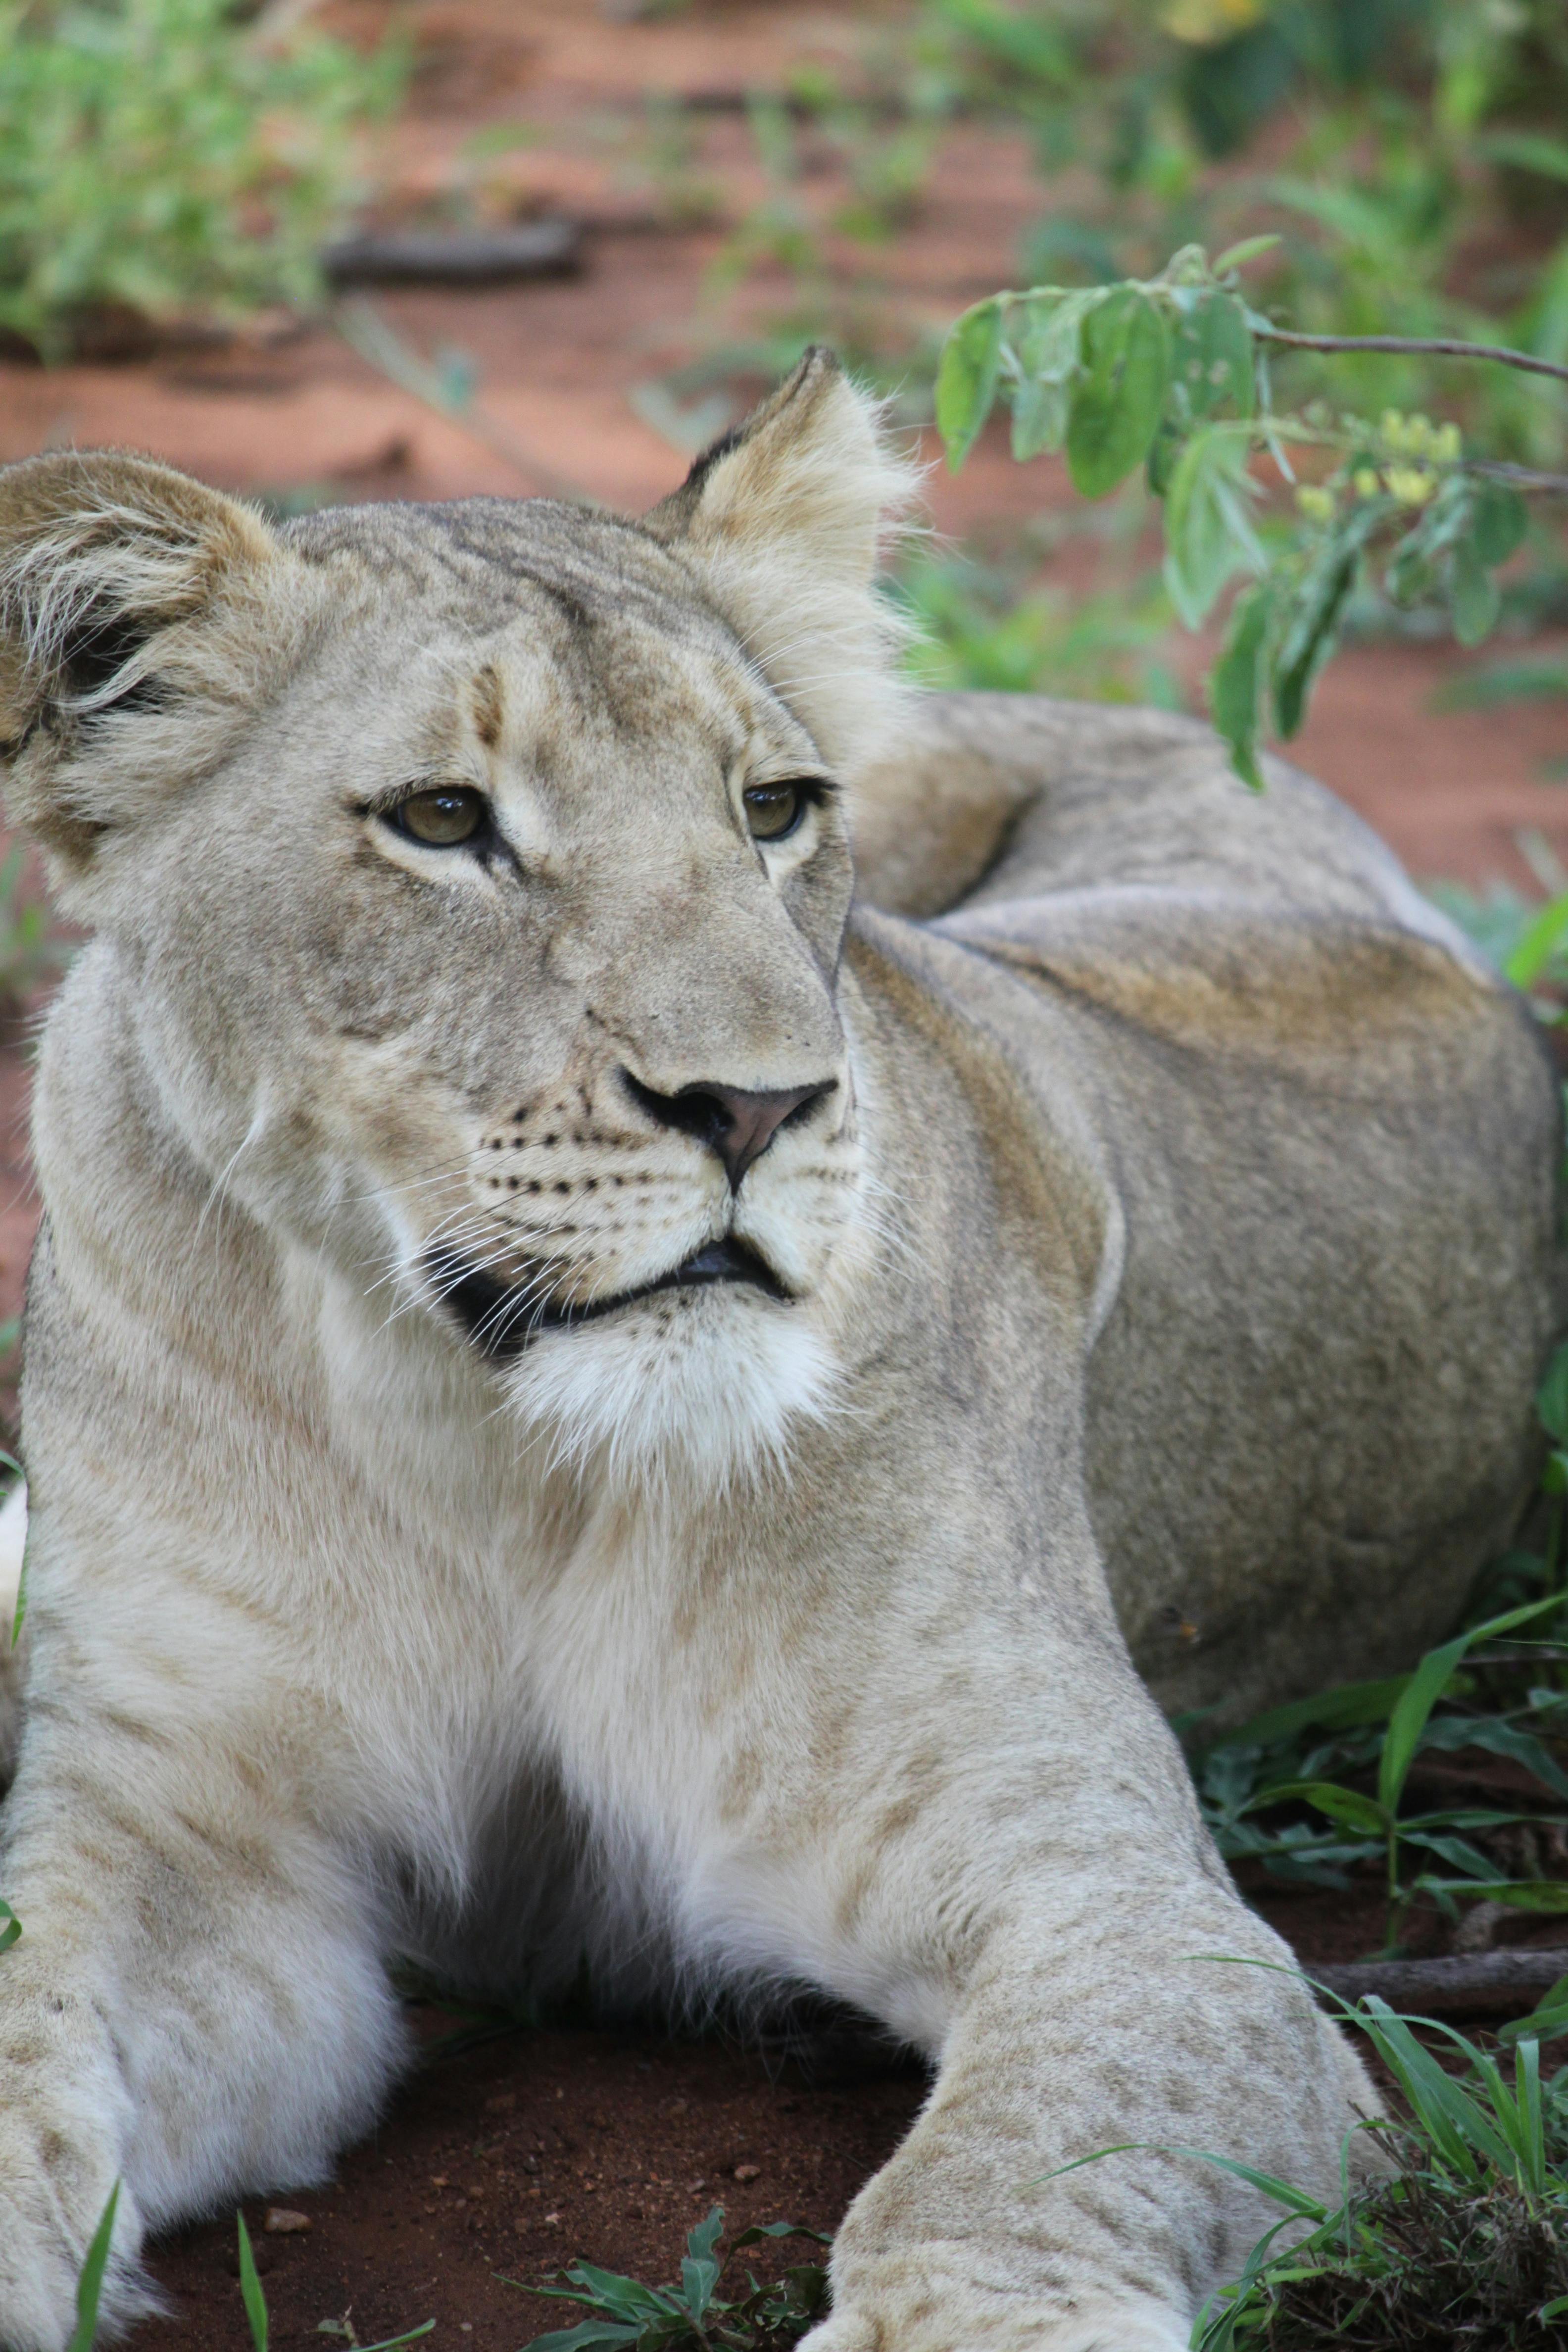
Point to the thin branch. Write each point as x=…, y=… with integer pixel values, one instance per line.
x=1438, y=346
x=1518, y=477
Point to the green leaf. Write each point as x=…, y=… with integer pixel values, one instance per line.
x=11, y=1933
x=1526, y=151
x=1236, y=256
x=1457, y=1851
x=1344, y=1709
x=1497, y=1737
x=967, y=378
x=89, y=2286
x=1045, y=344
x=1474, y=601
x=1211, y=358
x=1545, y=1895
x=251, y=2292
x=1236, y=682
x=1117, y=400
x=1425, y=1687
x=1551, y=1397
x=699, y=2271
x=391, y=2343
x=586, y=2337
x=1498, y=521
x=1531, y=956
x=1310, y=633
x=1347, y=1805
x=1208, y=531
x=760, y=2230
x=1039, y=417
x=1548, y=2020
x=625, y=2298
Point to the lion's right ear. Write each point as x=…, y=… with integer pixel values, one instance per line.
x=138, y=618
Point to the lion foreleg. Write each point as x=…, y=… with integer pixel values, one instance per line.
x=1047, y=1918
x=195, y=2007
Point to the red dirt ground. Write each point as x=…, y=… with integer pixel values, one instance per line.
x=509, y=2159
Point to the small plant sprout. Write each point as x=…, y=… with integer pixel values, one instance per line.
x=1379, y=1816
x=1496, y=1688
x=625, y=2313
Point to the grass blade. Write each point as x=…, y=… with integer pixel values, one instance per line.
x=1295, y=2200
x=89, y=2286
x=251, y=2292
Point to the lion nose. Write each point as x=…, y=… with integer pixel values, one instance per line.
x=737, y=1122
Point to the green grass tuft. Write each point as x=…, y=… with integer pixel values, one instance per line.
x=626, y=2316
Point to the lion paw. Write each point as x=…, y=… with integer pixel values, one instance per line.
x=953, y=2322
x=41, y=2256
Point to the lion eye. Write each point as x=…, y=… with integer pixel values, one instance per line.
x=443, y=818
x=774, y=810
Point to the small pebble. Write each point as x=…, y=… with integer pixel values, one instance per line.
x=283, y=2224
x=748, y=2172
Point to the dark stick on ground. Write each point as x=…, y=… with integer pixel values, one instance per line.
x=1470, y=1984
x=541, y=248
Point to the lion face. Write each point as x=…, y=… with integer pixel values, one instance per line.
x=480, y=877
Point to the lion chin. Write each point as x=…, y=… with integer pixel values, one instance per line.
x=675, y=1403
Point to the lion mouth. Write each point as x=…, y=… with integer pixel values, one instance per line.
x=502, y=1318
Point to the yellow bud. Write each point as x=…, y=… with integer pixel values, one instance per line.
x=1316, y=504
x=1391, y=425
x=1411, y=485
x=1206, y=22
x=1448, y=444
x=1366, y=482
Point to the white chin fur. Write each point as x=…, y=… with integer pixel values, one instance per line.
x=705, y=1397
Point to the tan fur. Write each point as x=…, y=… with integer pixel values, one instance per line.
x=1174, y=1243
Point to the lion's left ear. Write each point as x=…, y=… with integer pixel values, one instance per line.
x=785, y=520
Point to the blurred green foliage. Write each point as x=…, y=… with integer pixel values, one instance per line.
x=978, y=627
x=162, y=162
x=1412, y=153
x=1172, y=374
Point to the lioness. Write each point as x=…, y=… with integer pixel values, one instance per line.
x=586, y=1396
